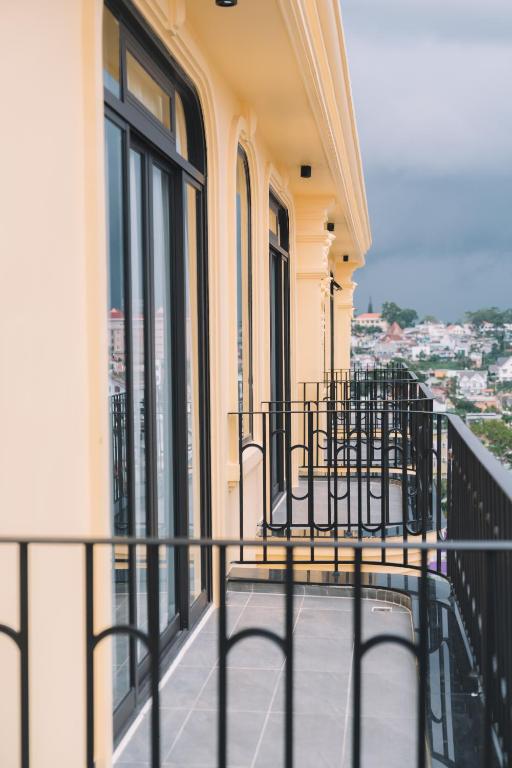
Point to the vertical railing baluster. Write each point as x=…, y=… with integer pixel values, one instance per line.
x=358, y=471
x=24, y=653
x=89, y=651
x=311, y=486
x=241, y=484
x=384, y=443
x=439, y=487
x=153, y=602
x=488, y=647
x=222, y=651
x=289, y=660
x=264, y=481
x=356, y=712
x=405, y=498
x=288, y=469
x=422, y=660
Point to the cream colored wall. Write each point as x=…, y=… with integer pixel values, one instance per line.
x=54, y=463
x=53, y=387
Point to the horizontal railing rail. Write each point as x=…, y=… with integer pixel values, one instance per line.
x=421, y=645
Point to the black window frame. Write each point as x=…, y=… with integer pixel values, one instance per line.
x=242, y=155
x=144, y=133
x=279, y=343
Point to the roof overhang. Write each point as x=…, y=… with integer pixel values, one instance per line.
x=286, y=61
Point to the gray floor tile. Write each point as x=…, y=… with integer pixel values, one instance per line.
x=263, y=600
x=318, y=742
x=139, y=748
x=202, y=653
x=322, y=654
x=327, y=603
x=315, y=693
x=233, y=614
x=249, y=690
x=270, y=618
x=394, y=622
x=237, y=598
x=317, y=623
x=255, y=653
x=197, y=743
x=385, y=743
x=390, y=696
x=184, y=686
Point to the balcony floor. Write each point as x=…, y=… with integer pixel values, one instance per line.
x=347, y=508
x=322, y=682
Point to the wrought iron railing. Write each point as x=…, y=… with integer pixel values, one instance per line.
x=483, y=562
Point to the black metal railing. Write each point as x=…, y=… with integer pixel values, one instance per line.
x=482, y=560
x=388, y=372
x=363, y=472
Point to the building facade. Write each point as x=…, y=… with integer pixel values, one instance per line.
x=199, y=210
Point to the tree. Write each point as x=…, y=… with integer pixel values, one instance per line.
x=430, y=319
x=366, y=329
x=489, y=315
x=497, y=436
x=370, y=306
x=392, y=313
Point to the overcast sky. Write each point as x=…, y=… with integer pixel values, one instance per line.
x=432, y=86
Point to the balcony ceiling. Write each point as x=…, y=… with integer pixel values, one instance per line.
x=264, y=71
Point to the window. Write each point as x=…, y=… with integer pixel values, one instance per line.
x=158, y=334
x=148, y=91
x=111, y=78
x=244, y=291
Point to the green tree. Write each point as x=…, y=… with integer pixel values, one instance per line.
x=430, y=319
x=392, y=313
x=489, y=315
x=496, y=435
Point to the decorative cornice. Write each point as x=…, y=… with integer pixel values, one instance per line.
x=316, y=33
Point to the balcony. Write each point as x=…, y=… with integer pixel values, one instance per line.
x=361, y=617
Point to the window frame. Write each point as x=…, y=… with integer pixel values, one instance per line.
x=143, y=132
x=242, y=156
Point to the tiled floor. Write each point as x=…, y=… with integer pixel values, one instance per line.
x=371, y=506
x=322, y=696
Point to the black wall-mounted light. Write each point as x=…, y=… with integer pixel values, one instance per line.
x=226, y=3
x=330, y=226
x=345, y=257
x=305, y=171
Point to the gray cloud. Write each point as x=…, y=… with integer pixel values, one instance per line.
x=431, y=82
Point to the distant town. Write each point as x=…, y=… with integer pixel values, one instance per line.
x=466, y=364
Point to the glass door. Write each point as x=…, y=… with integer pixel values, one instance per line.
x=158, y=338
x=279, y=344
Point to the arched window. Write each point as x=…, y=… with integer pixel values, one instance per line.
x=244, y=291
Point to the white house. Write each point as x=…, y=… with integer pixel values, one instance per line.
x=371, y=320
x=503, y=369
x=471, y=383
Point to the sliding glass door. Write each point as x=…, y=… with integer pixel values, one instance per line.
x=158, y=357
x=279, y=341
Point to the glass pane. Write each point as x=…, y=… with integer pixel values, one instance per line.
x=137, y=358
x=117, y=395
x=273, y=221
x=192, y=360
x=163, y=384
x=111, y=53
x=137, y=368
x=243, y=234
x=181, y=127
x=148, y=91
